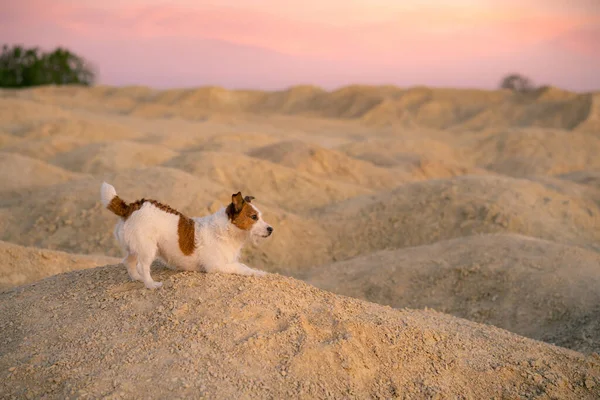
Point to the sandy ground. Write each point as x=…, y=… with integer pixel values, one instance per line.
x=231, y=337
x=474, y=214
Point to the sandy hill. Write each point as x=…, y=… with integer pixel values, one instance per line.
x=98, y=158
x=21, y=265
x=538, y=152
x=327, y=164
x=425, y=212
x=591, y=178
x=19, y=172
x=268, y=181
x=435, y=108
x=234, y=337
x=533, y=287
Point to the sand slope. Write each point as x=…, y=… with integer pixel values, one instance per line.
x=18, y=173
x=538, y=152
x=21, y=265
x=425, y=212
x=327, y=164
x=530, y=286
x=235, y=337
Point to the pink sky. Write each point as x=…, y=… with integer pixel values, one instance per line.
x=273, y=44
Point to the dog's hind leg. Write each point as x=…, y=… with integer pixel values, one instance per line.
x=131, y=263
x=144, y=261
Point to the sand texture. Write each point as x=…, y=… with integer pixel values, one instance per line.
x=429, y=243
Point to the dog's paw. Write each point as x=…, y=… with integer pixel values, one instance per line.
x=153, y=285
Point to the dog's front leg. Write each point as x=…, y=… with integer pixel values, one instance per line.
x=236, y=268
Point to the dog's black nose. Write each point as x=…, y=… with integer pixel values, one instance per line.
x=270, y=229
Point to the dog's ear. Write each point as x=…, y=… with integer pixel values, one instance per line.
x=249, y=199
x=238, y=201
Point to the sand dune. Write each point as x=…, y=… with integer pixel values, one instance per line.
x=230, y=337
x=538, y=152
x=45, y=148
x=480, y=204
x=274, y=184
x=434, y=108
x=100, y=158
x=591, y=178
x=21, y=265
x=425, y=212
x=529, y=286
x=390, y=152
x=327, y=164
x=20, y=173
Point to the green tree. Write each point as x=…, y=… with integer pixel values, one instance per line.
x=21, y=67
x=517, y=83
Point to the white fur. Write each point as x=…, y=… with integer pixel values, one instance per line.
x=151, y=233
x=107, y=192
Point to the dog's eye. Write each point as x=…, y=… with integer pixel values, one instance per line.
x=254, y=217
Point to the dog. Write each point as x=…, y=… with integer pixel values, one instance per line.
x=148, y=230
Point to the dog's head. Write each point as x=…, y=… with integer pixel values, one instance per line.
x=244, y=215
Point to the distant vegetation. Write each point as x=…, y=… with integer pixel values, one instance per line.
x=25, y=67
x=517, y=83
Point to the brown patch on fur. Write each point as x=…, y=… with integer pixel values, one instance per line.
x=119, y=207
x=240, y=211
x=124, y=210
x=186, y=229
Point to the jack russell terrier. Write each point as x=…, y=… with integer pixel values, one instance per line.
x=148, y=230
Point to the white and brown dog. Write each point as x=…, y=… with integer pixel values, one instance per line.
x=148, y=230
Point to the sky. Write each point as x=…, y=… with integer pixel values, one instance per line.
x=275, y=44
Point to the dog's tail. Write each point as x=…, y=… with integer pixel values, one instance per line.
x=110, y=200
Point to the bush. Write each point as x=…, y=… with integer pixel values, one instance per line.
x=21, y=67
x=517, y=83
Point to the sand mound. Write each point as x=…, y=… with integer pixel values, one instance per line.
x=272, y=184
x=426, y=212
x=231, y=337
x=45, y=148
x=532, y=287
x=326, y=163
x=591, y=178
x=15, y=110
x=398, y=151
x=413, y=158
x=7, y=140
x=98, y=158
x=426, y=107
x=21, y=265
x=18, y=173
x=303, y=98
x=538, y=152
x=92, y=130
x=236, y=142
